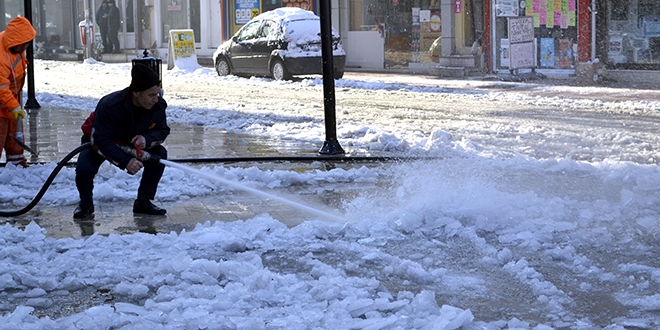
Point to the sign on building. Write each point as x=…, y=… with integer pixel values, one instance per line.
x=522, y=50
x=244, y=11
x=182, y=48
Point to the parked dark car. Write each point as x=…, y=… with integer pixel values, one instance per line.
x=279, y=43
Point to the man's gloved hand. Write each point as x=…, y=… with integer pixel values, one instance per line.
x=134, y=166
x=18, y=112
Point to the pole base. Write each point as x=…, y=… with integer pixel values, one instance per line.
x=331, y=147
x=32, y=103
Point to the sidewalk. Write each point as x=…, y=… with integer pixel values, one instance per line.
x=623, y=86
x=54, y=132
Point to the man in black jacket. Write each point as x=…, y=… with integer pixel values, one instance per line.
x=114, y=23
x=134, y=116
x=102, y=21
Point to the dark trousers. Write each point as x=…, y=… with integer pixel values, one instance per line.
x=88, y=165
x=105, y=39
x=113, y=44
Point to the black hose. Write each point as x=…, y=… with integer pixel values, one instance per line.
x=65, y=161
x=302, y=159
x=50, y=179
x=339, y=158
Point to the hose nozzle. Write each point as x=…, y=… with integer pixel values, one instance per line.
x=140, y=155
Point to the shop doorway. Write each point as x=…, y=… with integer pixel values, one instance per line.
x=181, y=14
x=555, y=33
x=364, y=41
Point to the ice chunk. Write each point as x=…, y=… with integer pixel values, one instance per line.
x=129, y=308
x=132, y=290
x=6, y=281
x=34, y=293
x=450, y=318
x=504, y=255
x=39, y=302
x=360, y=306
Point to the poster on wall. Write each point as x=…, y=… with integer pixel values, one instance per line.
x=415, y=35
x=436, y=21
x=245, y=10
x=505, y=8
x=549, y=13
x=504, y=52
x=174, y=5
x=425, y=21
x=651, y=28
x=548, y=52
x=565, y=53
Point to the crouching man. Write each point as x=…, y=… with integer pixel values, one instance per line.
x=134, y=116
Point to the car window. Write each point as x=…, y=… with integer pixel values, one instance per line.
x=265, y=29
x=249, y=31
x=304, y=30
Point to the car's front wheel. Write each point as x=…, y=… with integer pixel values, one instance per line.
x=278, y=71
x=222, y=66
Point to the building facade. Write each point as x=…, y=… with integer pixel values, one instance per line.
x=382, y=34
x=630, y=34
x=144, y=24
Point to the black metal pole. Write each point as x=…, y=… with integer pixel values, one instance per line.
x=31, y=102
x=331, y=145
x=3, y=23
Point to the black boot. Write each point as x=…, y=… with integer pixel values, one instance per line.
x=83, y=212
x=146, y=207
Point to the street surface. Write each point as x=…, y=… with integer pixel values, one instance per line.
x=542, y=204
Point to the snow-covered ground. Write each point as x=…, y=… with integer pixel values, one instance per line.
x=492, y=235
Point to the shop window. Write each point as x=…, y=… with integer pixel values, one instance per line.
x=648, y=7
x=11, y=9
x=620, y=10
x=58, y=18
x=555, y=33
x=365, y=15
x=648, y=10
x=634, y=35
x=174, y=16
x=130, y=21
x=411, y=30
x=268, y=5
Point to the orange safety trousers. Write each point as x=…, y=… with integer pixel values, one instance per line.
x=13, y=150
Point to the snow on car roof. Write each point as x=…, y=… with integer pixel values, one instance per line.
x=302, y=26
x=288, y=13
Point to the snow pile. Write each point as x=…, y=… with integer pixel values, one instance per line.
x=493, y=234
x=213, y=277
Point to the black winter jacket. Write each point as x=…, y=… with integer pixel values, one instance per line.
x=102, y=22
x=114, y=19
x=117, y=120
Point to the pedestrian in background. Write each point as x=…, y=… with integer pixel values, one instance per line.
x=102, y=22
x=114, y=23
x=135, y=117
x=14, y=41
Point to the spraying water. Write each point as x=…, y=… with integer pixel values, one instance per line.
x=251, y=190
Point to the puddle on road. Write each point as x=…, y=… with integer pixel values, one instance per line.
x=52, y=134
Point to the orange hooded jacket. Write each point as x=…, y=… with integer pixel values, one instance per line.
x=12, y=66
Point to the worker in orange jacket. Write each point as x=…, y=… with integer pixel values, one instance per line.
x=14, y=41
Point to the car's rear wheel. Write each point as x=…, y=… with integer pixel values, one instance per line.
x=338, y=74
x=278, y=71
x=222, y=66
